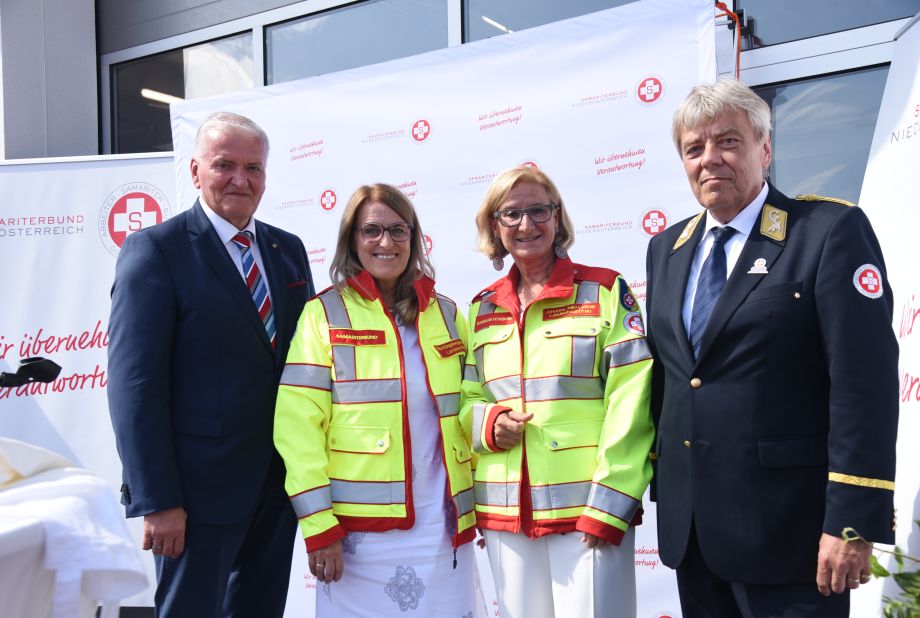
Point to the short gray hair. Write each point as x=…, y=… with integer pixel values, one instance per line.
x=706, y=101
x=222, y=120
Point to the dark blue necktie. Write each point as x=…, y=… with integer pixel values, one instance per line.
x=709, y=286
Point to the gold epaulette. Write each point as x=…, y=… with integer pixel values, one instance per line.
x=811, y=197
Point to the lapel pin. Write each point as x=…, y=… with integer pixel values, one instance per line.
x=274, y=245
x=759, y=267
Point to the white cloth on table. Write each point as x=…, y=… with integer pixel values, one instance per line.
x=409, y=572
x=84, y=536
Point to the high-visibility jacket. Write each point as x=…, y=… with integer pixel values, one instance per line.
x=577, y=359
x=341, y=419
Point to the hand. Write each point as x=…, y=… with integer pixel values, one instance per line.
x=327, y=564
x=164, y=532
x=594, y=542
x=509, y=427
x=842, y=565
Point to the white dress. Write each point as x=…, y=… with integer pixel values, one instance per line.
x=408, y=572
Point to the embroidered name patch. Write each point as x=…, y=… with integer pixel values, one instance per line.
x=451, y=348
x=492, y=319
x=575, y=310
x=347, y=336
x=868, y=281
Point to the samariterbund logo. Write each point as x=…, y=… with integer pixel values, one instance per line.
x=421, y=129
x=327, y=199
x=654, y=222
x=429, y=244
x=41, y=225
x=649, y=90
x=128, y=209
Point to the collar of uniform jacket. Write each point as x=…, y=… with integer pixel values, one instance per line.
x=363, y=283
x=559, y=285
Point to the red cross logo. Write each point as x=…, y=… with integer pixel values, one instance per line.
x=654, y=222
x=327, y=199
x=868, y=281
x=421, y=130
x=530, y=164
x=633, y=323
x=649, y=90
x=428, y=244
x=132, y=213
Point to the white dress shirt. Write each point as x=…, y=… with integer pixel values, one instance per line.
x=743, y=223
x=226, y=231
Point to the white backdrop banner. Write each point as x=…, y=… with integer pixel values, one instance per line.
x=890, y=198
x=588, y=100
x=61, y=225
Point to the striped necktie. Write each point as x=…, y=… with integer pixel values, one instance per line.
x=709, y=286
x=256, y=283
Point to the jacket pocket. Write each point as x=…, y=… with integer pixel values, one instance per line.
x=803, y=452
x=357, y=439
x=198, y=426
x=461, y=450
x=564, y=436
x=780, y=290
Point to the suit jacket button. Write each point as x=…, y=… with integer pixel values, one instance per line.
x=687, y=443
x=696, y=383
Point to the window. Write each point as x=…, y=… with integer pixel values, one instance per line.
x=144, y=88
x=487, y=18
x=353, y=36
x=779, y=21
x=823, y=131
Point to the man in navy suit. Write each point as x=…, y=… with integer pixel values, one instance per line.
x=194, y=366
x=775, y=385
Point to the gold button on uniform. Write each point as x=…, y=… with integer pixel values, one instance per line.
x=696, y=383
x=687, y=443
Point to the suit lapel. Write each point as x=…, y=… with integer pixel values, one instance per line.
x=741, y=282
x=207, y=243
x=270, y=250
x=679, y=261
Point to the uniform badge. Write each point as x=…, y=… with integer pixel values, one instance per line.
x=451, y=348
x=688, y=231
x=627, y=299
x=773, y=223
x=868, y=281
x=633, y=323
x=759, y=267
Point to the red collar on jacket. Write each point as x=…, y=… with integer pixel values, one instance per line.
x=561, y=284
x=363, y=283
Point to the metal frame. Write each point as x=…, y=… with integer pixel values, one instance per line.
x=840, y=51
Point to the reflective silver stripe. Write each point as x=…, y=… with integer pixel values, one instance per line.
x=583, y=356
x=471, y=373
x=448, y=405
x=366, y=391
x=480, y=360
x=449, y=311
x=309, y=376
x=464, y=502
x=626, y=352
x=312, y=501
x=344, y=358
x=336, y=314
x=485, y=307
x=479, y=415
x=360, y=492
x=563, y=387
x=496, y=494
x=561, y=496
x=612, y=502
x=588, y=292
x=503, y=388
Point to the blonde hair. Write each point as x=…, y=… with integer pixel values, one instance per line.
x=496, y=195
x=345, y=263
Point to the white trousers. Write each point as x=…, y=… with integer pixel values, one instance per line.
x=559, y=576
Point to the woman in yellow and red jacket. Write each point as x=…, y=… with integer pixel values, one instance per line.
x=556, y=399
x=378, y=468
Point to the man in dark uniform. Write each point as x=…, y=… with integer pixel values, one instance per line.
x=775, y=388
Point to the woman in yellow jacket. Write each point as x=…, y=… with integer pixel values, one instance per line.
x=556, y=399
x=378, y=469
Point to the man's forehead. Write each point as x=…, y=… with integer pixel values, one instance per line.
x=723, y=123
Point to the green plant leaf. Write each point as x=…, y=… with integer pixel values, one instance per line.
x=909, y=582
x=877, y=569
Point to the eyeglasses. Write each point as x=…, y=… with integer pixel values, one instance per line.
x=512, y=217
x=373, y=232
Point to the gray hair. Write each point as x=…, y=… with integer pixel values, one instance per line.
x=222, y=120
x=706, y=101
